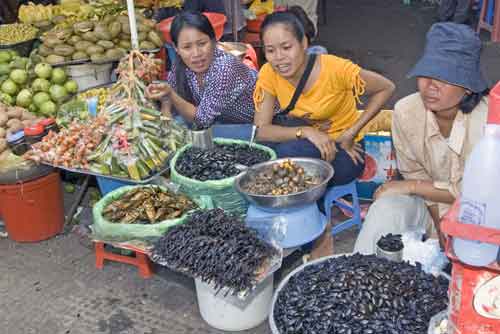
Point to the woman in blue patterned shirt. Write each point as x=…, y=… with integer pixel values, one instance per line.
x=206, y=85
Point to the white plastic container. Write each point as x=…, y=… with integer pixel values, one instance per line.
x=480, y=201
x=90, y=75
x=226, y=313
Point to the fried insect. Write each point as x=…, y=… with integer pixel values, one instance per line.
x=148, y=205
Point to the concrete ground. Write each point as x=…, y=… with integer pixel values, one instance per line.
x=52, y=287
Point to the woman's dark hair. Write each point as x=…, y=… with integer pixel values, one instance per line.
x=301, y=14
x=470, y=101
x=286, y=18
x=199, y=22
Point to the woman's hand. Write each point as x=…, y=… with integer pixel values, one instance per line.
x=158, y=91
x=353, y=149
x=323, y=142
x=405, y=187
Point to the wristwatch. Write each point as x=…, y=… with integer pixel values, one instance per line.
x=299, y=133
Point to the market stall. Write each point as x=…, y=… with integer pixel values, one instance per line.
x=222, y=212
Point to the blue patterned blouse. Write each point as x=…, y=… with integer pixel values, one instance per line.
x=227, y=93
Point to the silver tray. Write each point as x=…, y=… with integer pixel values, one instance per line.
x=147, y=180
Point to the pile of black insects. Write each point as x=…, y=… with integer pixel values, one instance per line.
x=220, y=162
x=360, y=294
x=391, y=242
x=217, y=248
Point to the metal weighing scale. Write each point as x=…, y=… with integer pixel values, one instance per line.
x=295, y=218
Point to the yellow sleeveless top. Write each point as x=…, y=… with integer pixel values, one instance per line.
x=334, y=95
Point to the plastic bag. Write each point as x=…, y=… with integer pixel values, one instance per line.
x=221, y=193
x=259, y=7
x=104, y=230
x=428, y=253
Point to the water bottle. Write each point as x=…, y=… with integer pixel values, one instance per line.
x=480, y=201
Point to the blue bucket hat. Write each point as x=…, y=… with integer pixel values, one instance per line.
x=452, y=54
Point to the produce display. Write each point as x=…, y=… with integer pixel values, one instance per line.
x=68, y=12
x=73, y=110
x=101, y=94
x=391, y=242
x=282, y=178
x=16, y=33
x=39, y=88
x=217, y=248
x=71, y=147
x=13, y=119
x=161, y=3
x=139, y=139
x=77, y=109
x=45, y=15
x=360, y=294
x=218, y=163
x=99, y=41
x=147, y=205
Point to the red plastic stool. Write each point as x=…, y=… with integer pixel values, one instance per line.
x=483, y=20
x=140, y=260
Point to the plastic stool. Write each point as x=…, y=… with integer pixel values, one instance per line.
x=333, y=197
x=141, y=260
x=489, y=6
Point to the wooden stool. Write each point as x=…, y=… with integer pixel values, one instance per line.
x=140, y=260
x=483, y=23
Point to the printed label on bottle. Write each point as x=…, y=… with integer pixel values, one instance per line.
x=472, y=212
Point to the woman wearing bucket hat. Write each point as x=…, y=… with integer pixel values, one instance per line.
x=433, y=132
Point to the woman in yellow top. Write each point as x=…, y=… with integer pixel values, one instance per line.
x=330, y=124
x=327, y=108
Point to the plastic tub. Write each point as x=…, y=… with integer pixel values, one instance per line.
x=254, y=25
x=222, y=313
x=216, y=19
x=90, y=75
x=107, y=185
x=33, y=211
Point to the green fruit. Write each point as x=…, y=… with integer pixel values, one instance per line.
x=48, y=108
x=55, y=59
x=33, y=108
x=69, y=188
x=40, y=85
x=40, y=98
x=43, y=70
x=71, y=86
x=13, y=53
x=58, y=93
x=9, y=87
x=24, y=98
x=19, y=76
x=4, y=68
x=5, y=56
x=58, y=76
x=6, y=99
x=19, y=62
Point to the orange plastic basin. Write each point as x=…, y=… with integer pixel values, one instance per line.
x=216, y=19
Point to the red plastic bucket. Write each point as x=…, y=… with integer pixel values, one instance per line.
x=33, y=211
x=216, y=19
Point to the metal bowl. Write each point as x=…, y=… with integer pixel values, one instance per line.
x=313, y=167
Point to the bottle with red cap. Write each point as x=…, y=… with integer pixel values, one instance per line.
x=480, y=200
x=49, y=124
